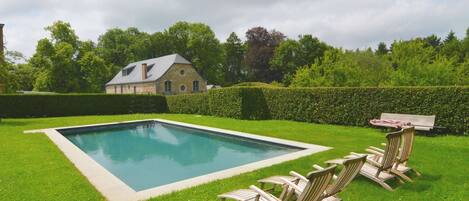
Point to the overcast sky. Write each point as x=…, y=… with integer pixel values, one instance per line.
x=347, y=23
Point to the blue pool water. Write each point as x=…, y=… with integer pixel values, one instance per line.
x=150, y=154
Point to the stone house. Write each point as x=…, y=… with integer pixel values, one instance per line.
x=171, y=74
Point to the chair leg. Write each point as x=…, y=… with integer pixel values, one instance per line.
x=379, y=181
x=401, y=175
x=416, y=172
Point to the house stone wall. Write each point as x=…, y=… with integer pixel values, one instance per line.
x=179, y=79
x=140, y=88
x=174, y=75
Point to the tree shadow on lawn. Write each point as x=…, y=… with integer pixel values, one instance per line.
x=13, y=122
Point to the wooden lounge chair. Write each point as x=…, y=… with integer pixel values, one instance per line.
x=401, y=167
x=351, y=168
x=380, y=171
x=313, y=190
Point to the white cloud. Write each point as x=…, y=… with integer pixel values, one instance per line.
x=351, y=24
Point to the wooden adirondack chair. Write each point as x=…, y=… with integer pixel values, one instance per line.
x=317, y=183
x=351, y=168
x=405, y=150
x=379, y=170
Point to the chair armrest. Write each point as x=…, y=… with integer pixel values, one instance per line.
x=357, y=154
x=373, y=163
x=321, y=168
x=298, y=175
x=371, y=151
x=338, y=161
x=263, y=194
x=292, y=185
x=376, y=149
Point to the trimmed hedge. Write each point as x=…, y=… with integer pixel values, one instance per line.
x=356, y=106
x=189, y=104
x=79, y=104
x=345, y=106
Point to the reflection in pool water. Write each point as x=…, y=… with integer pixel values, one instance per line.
x=151, y=154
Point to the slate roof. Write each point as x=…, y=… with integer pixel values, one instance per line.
x=159, y=66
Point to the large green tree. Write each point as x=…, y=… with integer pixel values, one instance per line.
x=291, y=55
x=57, y=65
x=344, y=68
x=233, y=66
x=197, y=42
x=120, y=47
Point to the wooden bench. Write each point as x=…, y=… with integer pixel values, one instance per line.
x=420, y=122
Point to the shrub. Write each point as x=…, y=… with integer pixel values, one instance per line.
x=345, y=106
x=356, y=106
x=79, y=104
x=226, y=102
x=189, y=104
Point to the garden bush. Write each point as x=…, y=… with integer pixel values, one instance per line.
x=345, y=106
x=356, y=106
x=189, y=104
x=79, y=104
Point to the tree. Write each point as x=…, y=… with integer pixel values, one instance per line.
x=291, y=55
x=450, y=37
x=452, y=48
x=120, y=47
x=382, y=49
x=349, y=68
x=287, y=59
x=197, y=42
x=433, y=41
x=260, y=49
x=234, y=56
x=62, y=63
x=95, y=71
x=62, y=32
x=465, y=45
x=418, y=65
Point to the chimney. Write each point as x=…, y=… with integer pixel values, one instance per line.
x=1, y=43
x=144, y=71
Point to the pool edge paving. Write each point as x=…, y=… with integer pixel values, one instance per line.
x=115, y=189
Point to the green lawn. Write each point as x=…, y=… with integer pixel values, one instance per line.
x=33, y=168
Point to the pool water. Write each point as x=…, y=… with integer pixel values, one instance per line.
x=151, y=154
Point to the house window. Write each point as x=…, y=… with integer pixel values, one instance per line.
x=182, y=88
x=181, y=72
x=167, y=86
x=195, y=86
x=127, y=71
x=135, y=89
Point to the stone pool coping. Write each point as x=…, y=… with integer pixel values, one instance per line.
x=113, y=189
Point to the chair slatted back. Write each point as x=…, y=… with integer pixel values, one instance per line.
x=408, y=136
x=391, y=150
x=318, y=182
x=351, y=168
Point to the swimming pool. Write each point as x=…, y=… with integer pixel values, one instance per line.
x=140, y=159
x=150, y=154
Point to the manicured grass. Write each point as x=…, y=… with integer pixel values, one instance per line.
x=33, y=168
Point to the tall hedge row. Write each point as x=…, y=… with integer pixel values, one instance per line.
x=356, y=106
x=79, y=104
x=345, y=106
x=189, y=104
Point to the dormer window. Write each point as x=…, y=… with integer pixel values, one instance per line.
x=150, y=67
x=127, y=71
